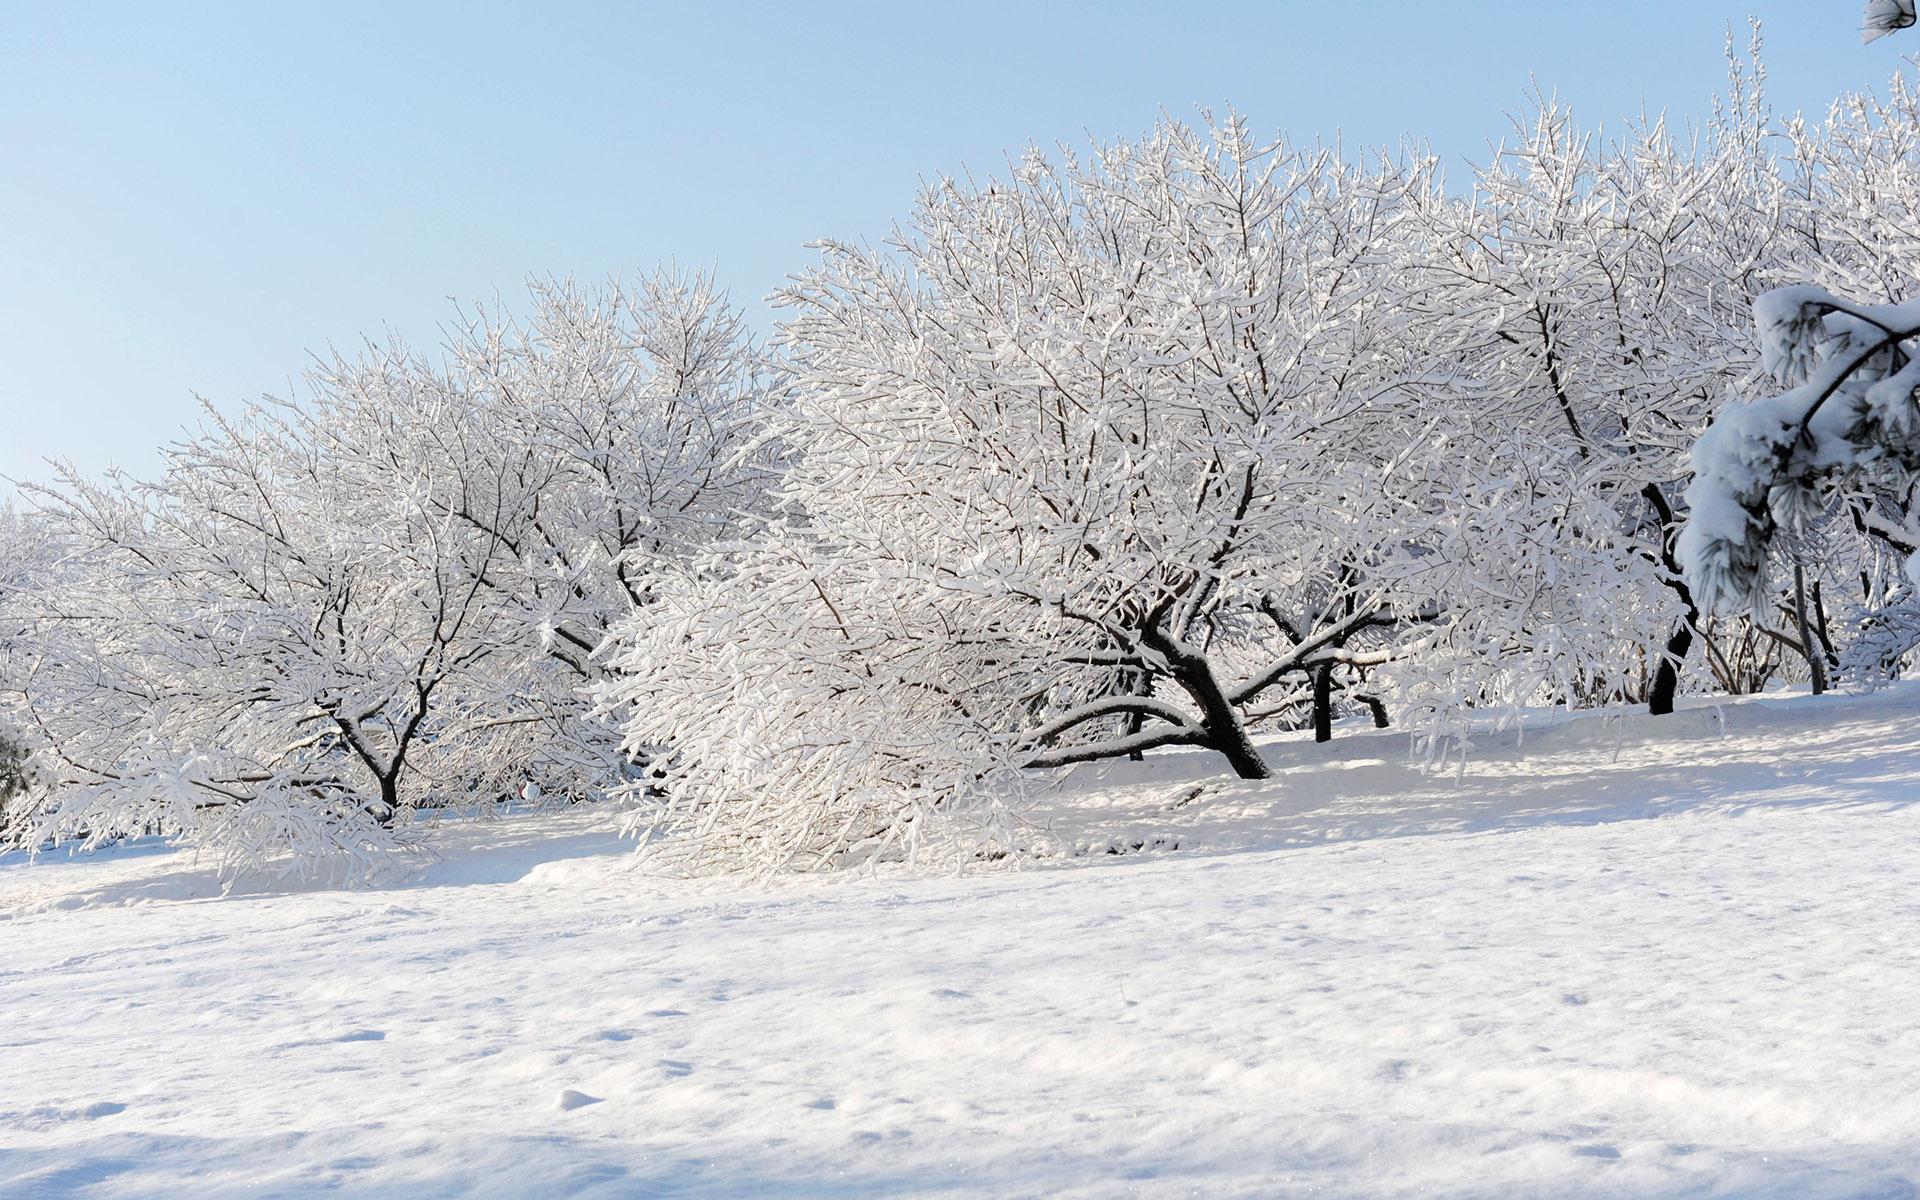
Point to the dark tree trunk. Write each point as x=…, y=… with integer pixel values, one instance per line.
x=1666, y=678
x=1378, y=710
x=1323, y=703
x=389, y=798
x=1240, y=754
x=1134, y=721
x=1820, y=627
x=1225, y=730
x=1816, y=659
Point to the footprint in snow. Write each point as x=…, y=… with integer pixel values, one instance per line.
x=676, y=1068
x=569, y=1100
x=363, y=1035
x=102, y=1108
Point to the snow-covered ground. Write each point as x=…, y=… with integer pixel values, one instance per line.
x=1629, y=958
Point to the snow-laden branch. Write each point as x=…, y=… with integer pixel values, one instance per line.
x=1882, y=17
x=1849, y=407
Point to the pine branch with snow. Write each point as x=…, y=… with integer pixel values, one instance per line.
x=1849, y=408
x=1882, y=17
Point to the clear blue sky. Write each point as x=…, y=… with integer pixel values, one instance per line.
x=194, y=195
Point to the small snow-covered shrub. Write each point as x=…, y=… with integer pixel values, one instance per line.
x=801, y=713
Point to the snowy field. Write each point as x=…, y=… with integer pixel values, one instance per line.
x=1652, y=958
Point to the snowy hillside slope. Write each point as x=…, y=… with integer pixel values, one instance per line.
x=1627, y=957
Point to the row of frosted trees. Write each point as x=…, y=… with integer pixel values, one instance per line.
x=1145, y=444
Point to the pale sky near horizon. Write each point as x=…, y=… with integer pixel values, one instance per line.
x=192, y=200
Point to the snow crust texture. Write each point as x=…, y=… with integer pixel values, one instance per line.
x=1652, y=958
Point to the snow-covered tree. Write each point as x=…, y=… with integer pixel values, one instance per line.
x=1823, y=466
x=607, y=434
x=1600, y=289
x=1121, y=452
x=1154, y=444
x=29, y=564
x=324, y=618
